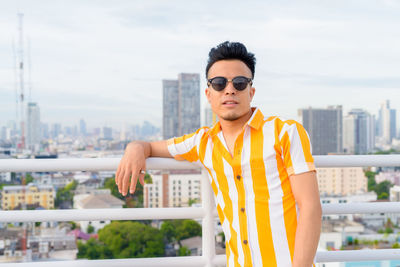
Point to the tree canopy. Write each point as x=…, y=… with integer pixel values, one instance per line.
x=124, y=240
x=176, y=230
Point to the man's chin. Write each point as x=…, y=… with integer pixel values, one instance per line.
x=230, y=117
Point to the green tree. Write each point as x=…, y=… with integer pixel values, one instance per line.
x=124, y=240
x=65, y=194
x=189, y=228
x=93, y=249
x=371, y=180
x=388, y=230
x=176, y=230
x=382, y=189
x=90, y=229
x=28, y=178
x=184, y=251
x=131, y=201
x=168, y=229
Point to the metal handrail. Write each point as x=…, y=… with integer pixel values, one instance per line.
x=207, y=212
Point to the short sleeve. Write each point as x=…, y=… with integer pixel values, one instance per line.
x=186, y=146
x=296, y=148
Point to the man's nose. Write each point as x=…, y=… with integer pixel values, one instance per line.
x=229, y=89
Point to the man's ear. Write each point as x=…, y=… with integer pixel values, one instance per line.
x=207, y=92
x=252, y=92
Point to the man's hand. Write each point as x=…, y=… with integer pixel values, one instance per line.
x=133, y=164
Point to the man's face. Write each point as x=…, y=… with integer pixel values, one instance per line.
x=230, y=104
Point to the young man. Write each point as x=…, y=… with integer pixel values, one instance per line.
x=259, y=168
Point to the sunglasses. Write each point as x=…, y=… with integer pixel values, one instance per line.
x=219, y=83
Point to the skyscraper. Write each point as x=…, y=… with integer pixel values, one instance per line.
x=325, y=129
x=386, y=123
x=33, y=126
x=181, y=105
x=170, y=109
x=358, y=132
x=82, y=128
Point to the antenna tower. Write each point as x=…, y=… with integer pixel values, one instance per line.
x=21, y=77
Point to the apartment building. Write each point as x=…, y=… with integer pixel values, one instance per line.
x=176, y=189
x=13, y=196
x=341, y=181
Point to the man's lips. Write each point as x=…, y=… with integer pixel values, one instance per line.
x=229, y=102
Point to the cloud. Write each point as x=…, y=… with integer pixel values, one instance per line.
x=107, y=59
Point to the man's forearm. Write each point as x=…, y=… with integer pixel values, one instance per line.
x=307, y=236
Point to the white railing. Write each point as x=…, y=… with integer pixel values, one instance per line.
x=206, y=212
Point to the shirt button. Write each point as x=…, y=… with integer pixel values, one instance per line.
x=238, y=177
x=245, y=242
x=242, y=209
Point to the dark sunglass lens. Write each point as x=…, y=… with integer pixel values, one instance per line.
x=240, y=83
x=219, y=83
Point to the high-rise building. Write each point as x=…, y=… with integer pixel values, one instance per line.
x=107, y=133
x=209, y=117
x=189, y=102
x=170, y=109
x=33, y=126
x=386, y=123
x=56, y=130
x=82, y=128
x=325, y=129
x=44, y=130
x=5, y=133
x=358, y=132
x=181, y=105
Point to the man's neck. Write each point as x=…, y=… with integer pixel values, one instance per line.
x=236, y=126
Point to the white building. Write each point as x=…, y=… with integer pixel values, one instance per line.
x=394, y=193
x=386, y=123
x=33, y=127
x=173, y=190
x=391, y=176
x=58, y=180
x=5, y=176
x=358, y=132
x=100, y=200
x=341, y=181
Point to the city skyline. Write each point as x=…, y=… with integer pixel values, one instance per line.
x=94, y=66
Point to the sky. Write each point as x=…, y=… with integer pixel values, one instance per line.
x=104, y=61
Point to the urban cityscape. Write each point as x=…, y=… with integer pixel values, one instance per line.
x=334, y=129
x=331, y=133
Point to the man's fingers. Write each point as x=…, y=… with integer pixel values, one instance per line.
x=133, y=182
x=125, y=183
x=117, y=174
x=120, y=178
x=141, y=177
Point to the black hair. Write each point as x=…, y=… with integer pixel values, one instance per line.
x=231, y=50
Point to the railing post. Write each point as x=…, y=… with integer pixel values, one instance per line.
x=208, y=235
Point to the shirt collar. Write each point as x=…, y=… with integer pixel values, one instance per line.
x=255, y=121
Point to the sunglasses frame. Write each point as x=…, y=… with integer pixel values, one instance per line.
x=249, y=81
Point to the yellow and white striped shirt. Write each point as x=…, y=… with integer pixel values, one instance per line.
x=252, y=190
